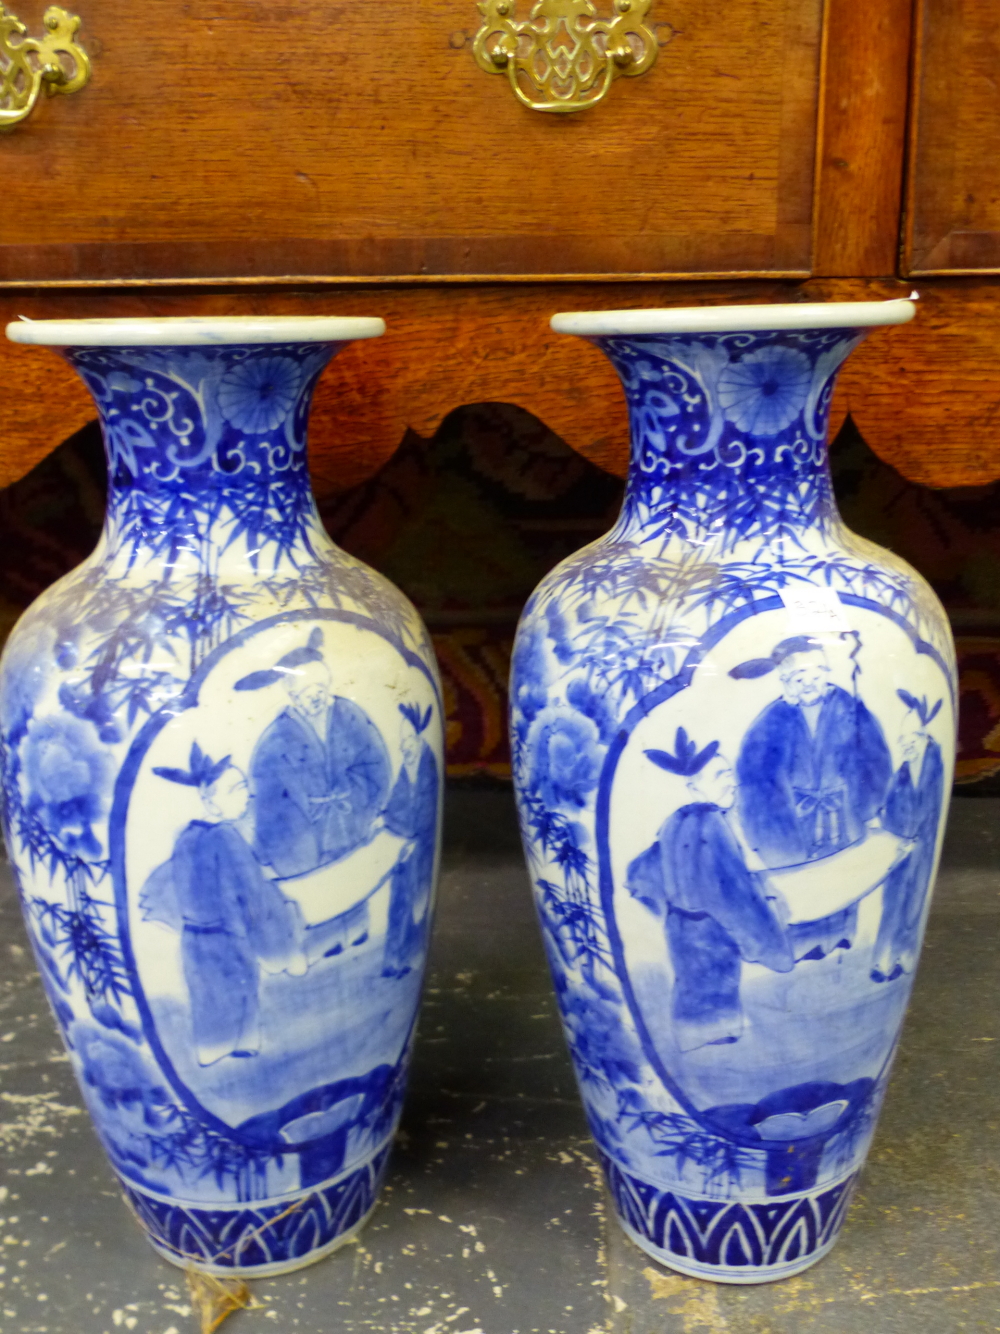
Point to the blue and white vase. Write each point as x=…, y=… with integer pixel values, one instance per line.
x=221, y=746
x=733, y=727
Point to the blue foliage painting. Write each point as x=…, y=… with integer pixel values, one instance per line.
x=220, y=751
x=732, y=725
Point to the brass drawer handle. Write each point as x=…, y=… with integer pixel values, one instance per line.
x=564, y=58
x=28, y=65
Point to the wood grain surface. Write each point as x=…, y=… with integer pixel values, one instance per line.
x=953, y=190
x=244, y=139
x=866, y=78
x=926, y=396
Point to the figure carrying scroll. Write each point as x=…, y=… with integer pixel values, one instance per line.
x=318, y=787
x=721, y=907
x=717, y=914
x=233, y=921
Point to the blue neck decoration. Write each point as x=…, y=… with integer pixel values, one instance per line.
x=728, y=433
x=206, y=447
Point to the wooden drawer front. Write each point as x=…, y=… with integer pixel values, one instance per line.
x=264, y=139
x=954, y=187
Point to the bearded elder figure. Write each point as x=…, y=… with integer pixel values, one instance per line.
x=320, y=772
x=813, y=774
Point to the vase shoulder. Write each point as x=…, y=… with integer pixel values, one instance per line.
x=697, y=583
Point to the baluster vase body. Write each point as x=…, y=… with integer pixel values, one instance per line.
x=221, y=761
x=733, y=727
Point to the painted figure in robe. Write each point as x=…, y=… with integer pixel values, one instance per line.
x=320, y=774
x=912, y=809
x=411, y=813
x=717, y=913
x=813, y=773
x=232, y=919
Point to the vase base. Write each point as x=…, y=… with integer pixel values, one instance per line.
x=262, y=1238
x=728, y=1241
x=721, y=1274
x=274, y=1270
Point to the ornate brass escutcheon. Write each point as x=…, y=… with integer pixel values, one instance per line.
x=53, y=63
x=563, y=57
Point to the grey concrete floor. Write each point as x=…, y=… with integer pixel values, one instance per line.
x=494, y=1220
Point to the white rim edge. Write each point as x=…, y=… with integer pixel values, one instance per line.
x=194, y=331
x=736, y=319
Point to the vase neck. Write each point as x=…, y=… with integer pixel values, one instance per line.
x=206, y=452
x=728, y=435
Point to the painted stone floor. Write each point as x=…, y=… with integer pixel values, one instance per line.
x=494, y=1220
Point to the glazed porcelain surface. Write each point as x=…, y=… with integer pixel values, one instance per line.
x=221, y=763
x=733, y=727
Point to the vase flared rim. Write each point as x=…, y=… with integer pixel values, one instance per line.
x=735, y=319
x=195, y=330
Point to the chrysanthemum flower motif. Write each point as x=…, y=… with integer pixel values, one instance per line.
x=258, y=394
x=766, y=391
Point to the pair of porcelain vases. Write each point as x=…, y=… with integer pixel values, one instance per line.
x=732, y=724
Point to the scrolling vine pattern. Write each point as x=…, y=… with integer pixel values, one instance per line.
x=730, y=433
x=192, y=451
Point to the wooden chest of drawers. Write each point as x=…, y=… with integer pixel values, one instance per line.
x=350, y=157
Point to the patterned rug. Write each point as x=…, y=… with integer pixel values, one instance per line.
x=466, y=523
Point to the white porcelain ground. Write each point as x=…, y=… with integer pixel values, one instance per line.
x=735, y=319
x=194, y=330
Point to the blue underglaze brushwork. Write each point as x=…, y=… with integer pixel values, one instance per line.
x=733, y=734
x=220, y=746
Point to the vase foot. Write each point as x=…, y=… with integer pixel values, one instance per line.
x=720, y=1274
x=728, y=1240
x=261, y=1238
x=274, y=1270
